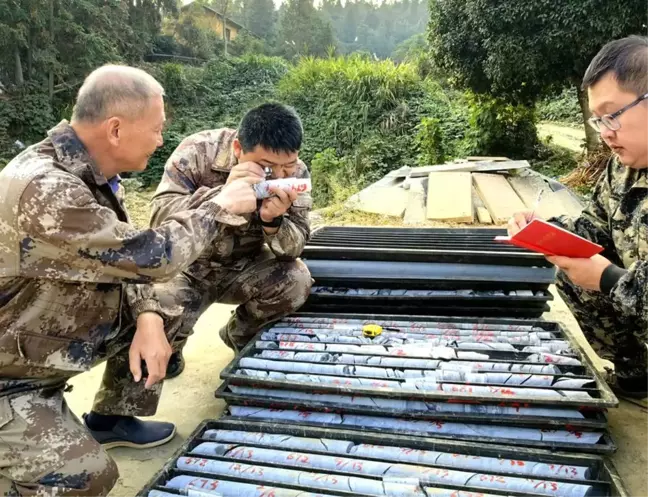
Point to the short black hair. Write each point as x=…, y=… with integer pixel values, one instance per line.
x=273, y=126
x=627, y=58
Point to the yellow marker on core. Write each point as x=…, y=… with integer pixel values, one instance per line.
x=371, y=330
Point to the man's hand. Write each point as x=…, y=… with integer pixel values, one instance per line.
x=150, y=345
x=238, y=196
x=519, y=221
x=277, y=205
x=585, y=273
x=246, y=170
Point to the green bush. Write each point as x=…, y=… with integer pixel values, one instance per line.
x=369, y=114
x=26, y=114
x=498, y=128
x=430, y=142
x=335, y=179
x=209, y=97
x=554, y=161
x=563, y=108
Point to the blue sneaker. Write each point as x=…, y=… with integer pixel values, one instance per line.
x=131, y=432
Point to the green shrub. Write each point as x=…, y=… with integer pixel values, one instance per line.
x=554, y=161
x=430, y=142
x=209, y=97
x=563, y=108
x=375, y=116
x=498, y=128
x=335, y=179
x=26, y=114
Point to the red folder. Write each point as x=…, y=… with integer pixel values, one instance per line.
x=549, y=239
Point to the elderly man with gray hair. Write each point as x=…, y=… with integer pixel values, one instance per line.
x=75, y=288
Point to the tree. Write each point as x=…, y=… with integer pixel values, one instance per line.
x=145, y=19
x=303, y=30
x=522, y=50
x=258, y=17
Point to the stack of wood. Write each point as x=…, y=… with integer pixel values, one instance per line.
x=484, y=190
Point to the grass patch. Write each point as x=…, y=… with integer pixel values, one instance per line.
x=139, y=207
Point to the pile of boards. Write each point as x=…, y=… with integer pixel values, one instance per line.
x=483, y=190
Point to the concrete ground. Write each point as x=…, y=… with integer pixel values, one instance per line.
x=189, y=399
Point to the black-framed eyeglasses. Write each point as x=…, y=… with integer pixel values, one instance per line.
x=611, y=121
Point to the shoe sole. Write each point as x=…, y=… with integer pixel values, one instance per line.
x=177, y=373
x=131, y=445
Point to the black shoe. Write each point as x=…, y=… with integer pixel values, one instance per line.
x=175, y=366
x=635, y=387
x=131, y=432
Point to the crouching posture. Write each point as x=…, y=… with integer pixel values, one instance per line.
x=75, y=289
x=254, y=265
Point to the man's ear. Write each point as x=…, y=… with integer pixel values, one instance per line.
x=236, y=146
x=113, y=130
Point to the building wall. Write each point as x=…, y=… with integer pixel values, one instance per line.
x=209, y=20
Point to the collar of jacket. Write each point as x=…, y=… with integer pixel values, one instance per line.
x=225, y=160
x=72, y=155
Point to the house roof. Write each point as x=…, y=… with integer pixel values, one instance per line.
x=214, y=11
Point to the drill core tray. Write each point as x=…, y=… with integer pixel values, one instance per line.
x=446, y=380
x=232, y=457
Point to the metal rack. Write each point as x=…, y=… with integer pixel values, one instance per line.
x=488, y=278
x=244, y=465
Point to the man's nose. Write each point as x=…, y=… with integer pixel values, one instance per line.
x=607, y=133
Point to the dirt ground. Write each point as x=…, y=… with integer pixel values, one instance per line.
x=569, y=137
x=189, y=399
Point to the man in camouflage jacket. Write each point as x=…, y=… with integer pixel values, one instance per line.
x=254, y=265
x=75, y=289
x=608, y=294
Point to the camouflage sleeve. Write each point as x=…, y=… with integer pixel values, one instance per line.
x=58, y=210
x=629, y=294
x=179, y=187
x=593, y=223
x=291, y=237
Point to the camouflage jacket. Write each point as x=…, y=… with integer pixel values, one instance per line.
x=617, y=219
x=70, y=260
x=202, y=162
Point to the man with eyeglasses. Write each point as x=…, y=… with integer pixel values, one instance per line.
x=608, y=294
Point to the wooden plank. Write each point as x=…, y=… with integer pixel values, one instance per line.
x=480, y=209
x=386, y=201
x=449, y=197
x=552, y=203
x=528, y=188
x=415, y=210
x=498, y=196
x=481, y=159
x=569, y=204
x=417, y=172
x=483, y=216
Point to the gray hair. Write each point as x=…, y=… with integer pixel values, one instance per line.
x=115, y=90
x=627, y=59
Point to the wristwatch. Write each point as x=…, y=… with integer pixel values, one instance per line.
x=275, y=223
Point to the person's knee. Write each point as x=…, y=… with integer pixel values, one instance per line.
x=105, y=477
x=92, y=474
x=299, y=284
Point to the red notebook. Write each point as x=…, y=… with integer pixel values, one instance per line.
x=549, y=239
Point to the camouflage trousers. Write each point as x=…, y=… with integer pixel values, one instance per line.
x=612, y=336
x=265, y=289
x=45, y=450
